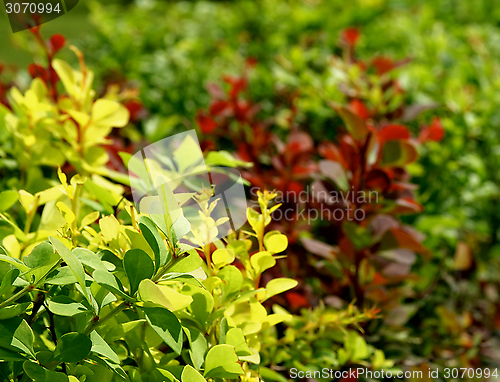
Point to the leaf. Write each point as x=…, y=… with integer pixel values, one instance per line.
x=202, y=305
x=13, y=310
x=261, y=261
x=138, y=266
x=150, y=292
x=398, y=154
x=152, y=236
x=462, y=259
x=7, y=199
x=16, y=335
x=393, y=132
x=335, y=172
x=189, y=374
x=6, y=356
x=222, y=257
x=89, y=259
x=233, y=280
x=355, y=125
x=358, y=235
x=198, y=346
x=15, y=262
x=166, y=325
x=109, y=281
x=225, y=159
x=109, y=113
x=65, y=306
x=222, y=362
x=235, y=337
x=72, y=261
x=356, y=346
x=187, y=264
x=8, y=280
x=72, y=347
x=275, y=242
x=39, y=374
x=280, y=285
x=41, y=260
x=101, y=347
x=110, y=227
x=397, y=238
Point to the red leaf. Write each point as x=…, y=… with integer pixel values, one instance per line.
x=136, y=109
x=217, y=107
x=434, y=132
x=207, y=124
x=329, y=151
x=383, y=65
x=351, y=35
x=238, y=84
x=393, y=132
x=36, y=70
x=397, y=238
x=296, y=300
x=56, y=43
x=358, y=107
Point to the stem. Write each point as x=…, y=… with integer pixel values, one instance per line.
x=17, y=296
x=107, y=317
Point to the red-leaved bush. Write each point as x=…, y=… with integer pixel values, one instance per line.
x=342, y=200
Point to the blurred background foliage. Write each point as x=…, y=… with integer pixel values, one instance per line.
x=170, y=51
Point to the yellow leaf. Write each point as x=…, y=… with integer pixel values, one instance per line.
x=66, y=212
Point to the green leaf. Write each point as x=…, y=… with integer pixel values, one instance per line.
x=7, y=199
x=72, y=347
x=398, y=153
x=187, y=264
x=72, y=261
x=166, y=325
x=275, y=242
x=41, y=260
x=13, y=310
x=262, y=261
x=235, y=337
x=65, y=306
x=189, y=374
x=109, y=113
x=355, y=125
x=224, y=159
x=7, y=355
x=198, y=346
x=222, y=257
x=222, y=362
x=358, y=235
x=356, y=346
x=8, y=280
x=233, y=281
x=152, y=236
x=15, y=262
x=202, y=305
x=101, y=347
x=89, y=259
x=280, y=285
x=109, y=281
x=16, y=335
x=39, y=374
x=138, y=266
